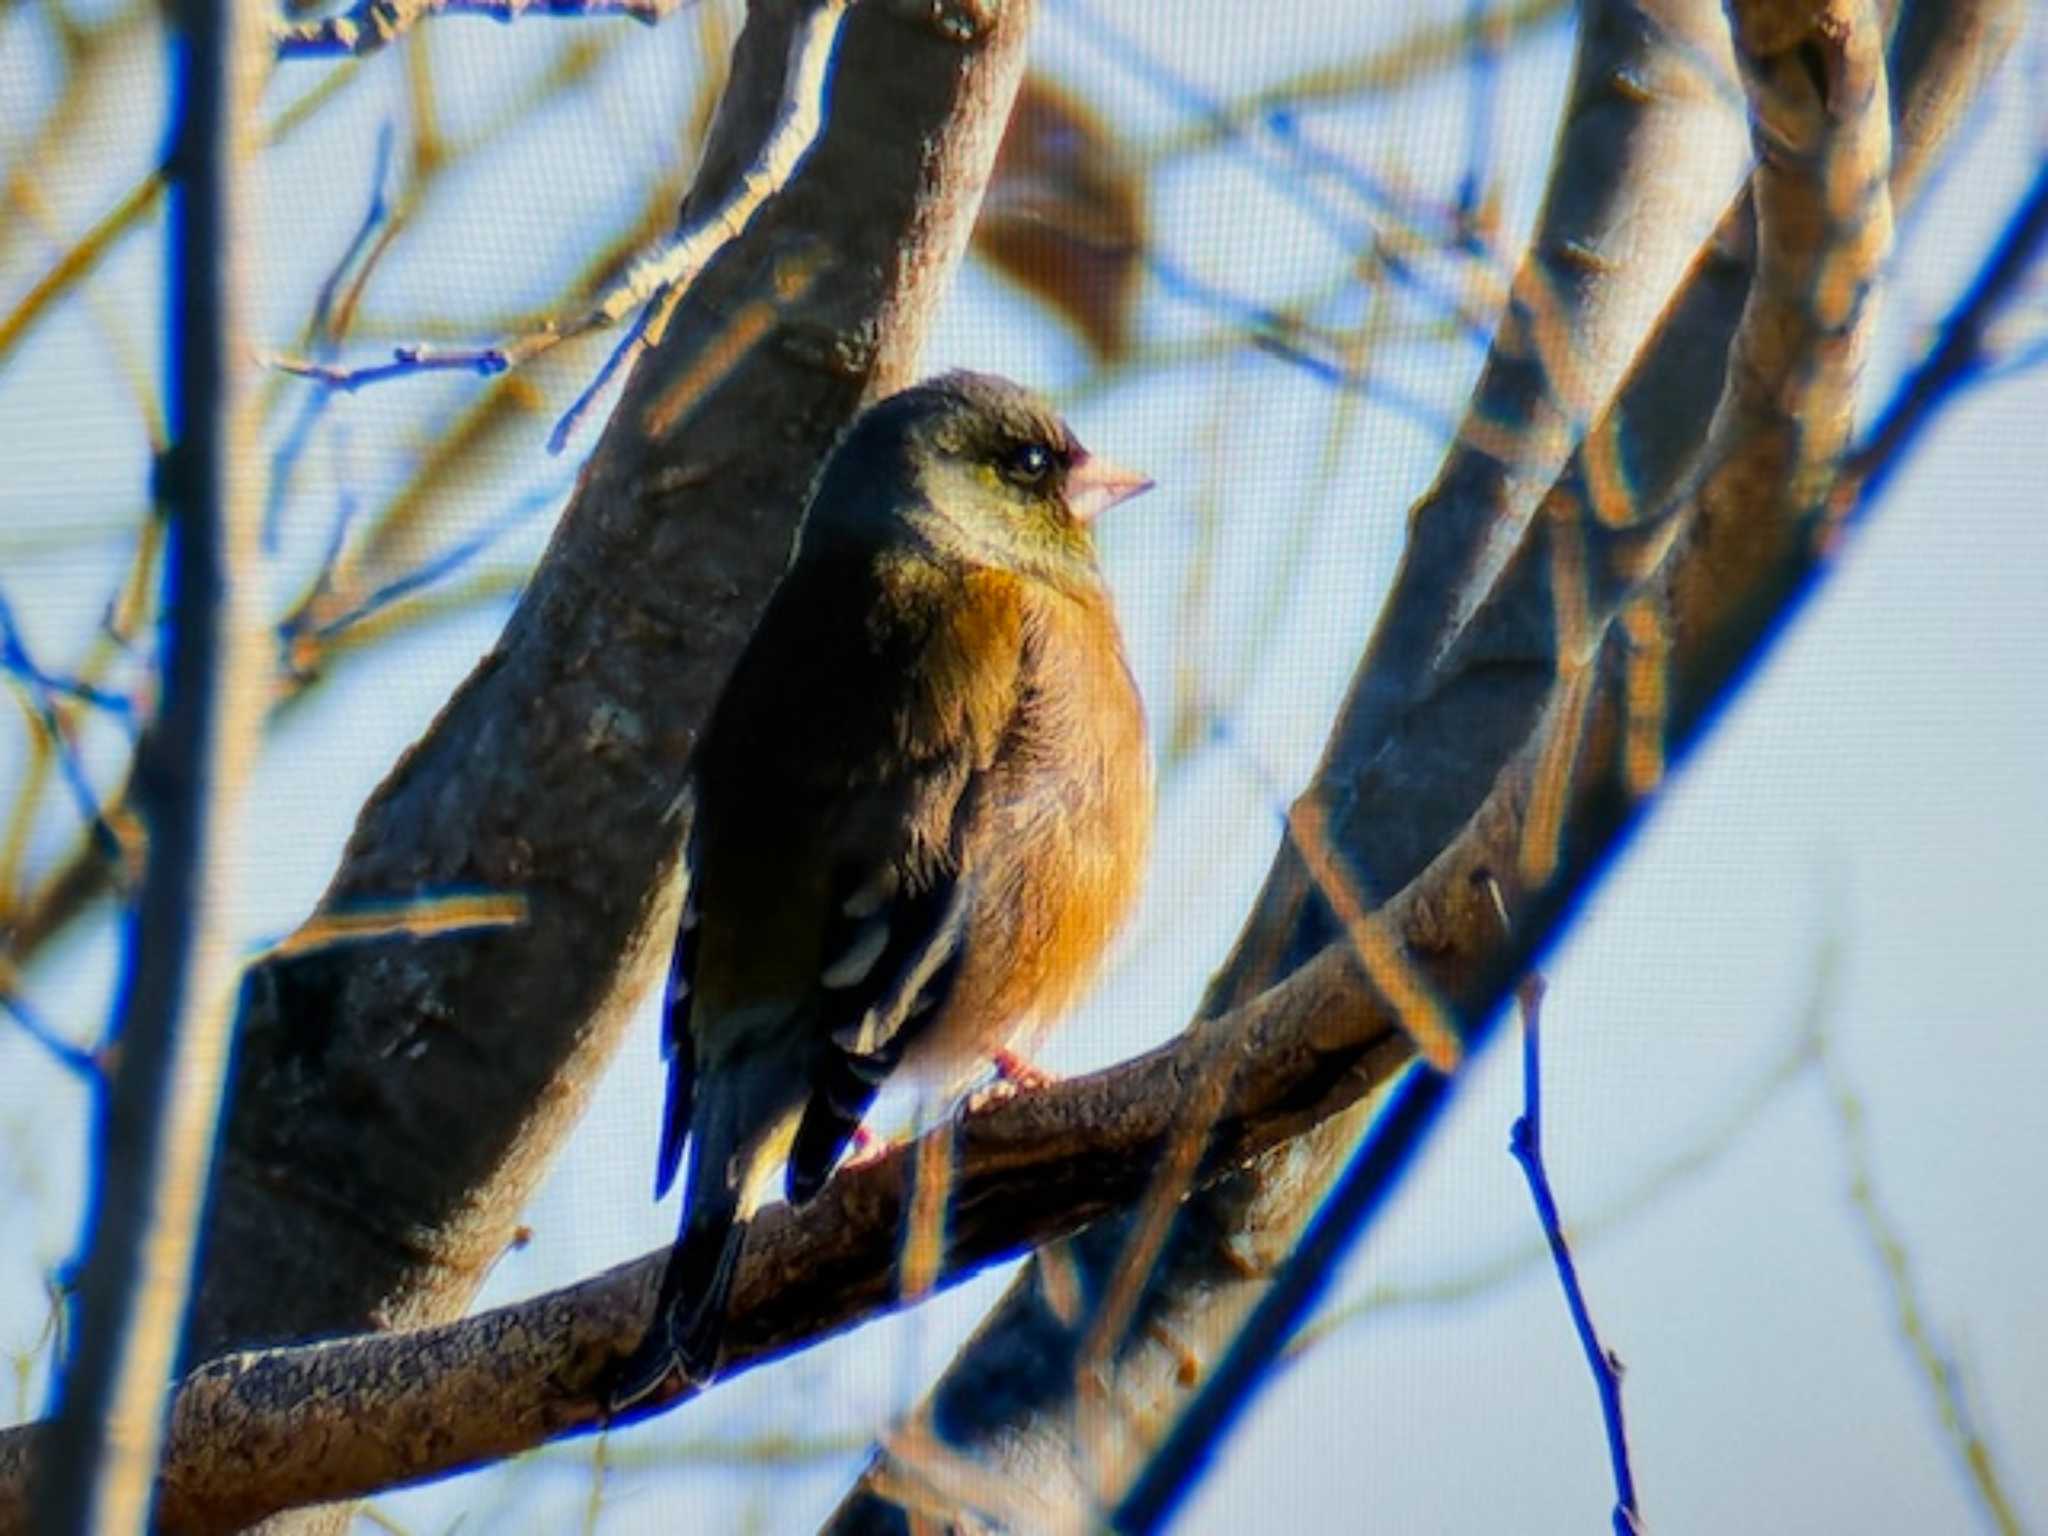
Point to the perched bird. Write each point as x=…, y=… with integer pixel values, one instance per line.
x=922, y=807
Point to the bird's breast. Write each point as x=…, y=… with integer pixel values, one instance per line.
x=1058, y=850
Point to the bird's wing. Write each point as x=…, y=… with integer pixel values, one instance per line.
x=904, y=883
x=896, y=947
x=836, y=785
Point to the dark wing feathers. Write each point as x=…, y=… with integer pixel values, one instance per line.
x=870, y=1023
x=857, y=731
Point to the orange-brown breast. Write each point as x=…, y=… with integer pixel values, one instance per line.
x=1059, y=841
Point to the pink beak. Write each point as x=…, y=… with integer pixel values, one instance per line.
x=1094, y=485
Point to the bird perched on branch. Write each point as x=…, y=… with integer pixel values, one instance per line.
x=923, y=803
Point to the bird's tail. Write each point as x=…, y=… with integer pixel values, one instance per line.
x=689, y=1316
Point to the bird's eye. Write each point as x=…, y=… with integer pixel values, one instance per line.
x=1028, y=464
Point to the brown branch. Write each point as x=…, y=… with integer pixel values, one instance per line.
x=256, y=1432
x=1650, y=151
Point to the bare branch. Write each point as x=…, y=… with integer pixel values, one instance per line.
x=257, y=1432
x=658, y=281
x=1930, y=1357
x=1754, y=502
x=1526, y=1142
x=137, y=203
x=370, y=25
x=345, y=610
x=176, y=995
x=1432, y=47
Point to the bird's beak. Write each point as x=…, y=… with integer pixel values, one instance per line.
x=1094, y=485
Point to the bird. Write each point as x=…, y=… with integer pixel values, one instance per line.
x=921, y=809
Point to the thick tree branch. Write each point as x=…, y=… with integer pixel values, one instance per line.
x=1752, y=504
x=256, y=1432
x=1650, y=149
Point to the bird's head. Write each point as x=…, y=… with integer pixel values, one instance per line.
x=974, y=468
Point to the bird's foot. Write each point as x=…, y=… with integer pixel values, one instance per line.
x=863, y=1147
x=1020, y=1074
x=1014, y=1075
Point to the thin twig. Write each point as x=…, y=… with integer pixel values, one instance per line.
x=1936, y=1367
x=655, y=284
x=158, y=1122
x=1488, y=1276
x=1957, y=357
x=324, y=329
x=1281, y=156
x=76, y=1060
x=40, y=689
x=1526, y=1142
x=404, y=362
x=370, y=25
x=92, y=247
x=1404, y=62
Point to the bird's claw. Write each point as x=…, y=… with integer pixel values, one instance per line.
x=1014, y=1075
x=864, y=1147
x=1019, y=1074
